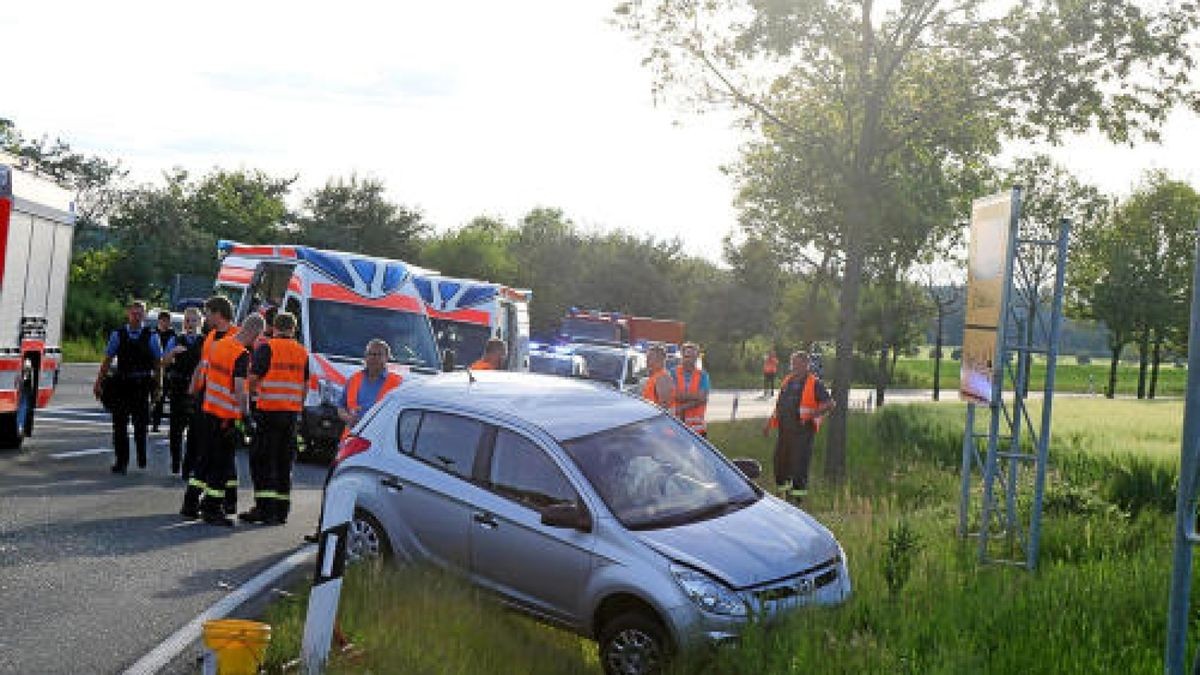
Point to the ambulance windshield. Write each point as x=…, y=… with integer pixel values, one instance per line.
x=340, y=329
x=467, y=340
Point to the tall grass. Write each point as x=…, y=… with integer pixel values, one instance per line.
x=1096, y=604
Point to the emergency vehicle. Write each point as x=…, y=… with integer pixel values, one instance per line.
x=607, y=347
x=340, y=301
x=466, y=313
x=37, y=224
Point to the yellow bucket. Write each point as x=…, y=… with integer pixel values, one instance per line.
x=240, y=645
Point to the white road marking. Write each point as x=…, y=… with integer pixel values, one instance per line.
x=79, y=453
x=69, y=422
x=162, y=655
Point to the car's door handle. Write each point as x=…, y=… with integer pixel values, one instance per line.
x=486, y=520
x=392, y=483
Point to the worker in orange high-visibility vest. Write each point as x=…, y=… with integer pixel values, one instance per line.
x=368, y=385
x=363, y=390
x=691, y=390
x=494, y=356
x=218, y=315
x=226, y=400
x=802, y=404
x=658, y=388
x=770, y=368
x=279, y=380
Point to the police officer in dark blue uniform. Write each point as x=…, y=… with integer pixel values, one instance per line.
x=137, y=351
x=166, y=333
x=180, y=357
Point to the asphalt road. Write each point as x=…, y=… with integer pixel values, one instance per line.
x=97, y=569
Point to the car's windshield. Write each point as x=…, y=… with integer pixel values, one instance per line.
x=466, y=340
x=340, y=329
x=655, y=474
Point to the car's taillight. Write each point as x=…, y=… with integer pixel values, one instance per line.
x=351, y=446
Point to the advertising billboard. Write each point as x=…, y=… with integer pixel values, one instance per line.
x=992, y=220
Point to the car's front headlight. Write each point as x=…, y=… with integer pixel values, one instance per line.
x=331, y=394
x=708, y=593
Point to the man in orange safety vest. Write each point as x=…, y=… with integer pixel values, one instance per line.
x=802, y=404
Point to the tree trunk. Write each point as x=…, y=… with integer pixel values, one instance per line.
x=1156, y=359
x=835, y=446
x=881, y=377
x=1143, y=361
x=1111, y=390
x=937, y=355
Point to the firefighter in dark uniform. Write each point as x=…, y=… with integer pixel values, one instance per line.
x=180, y=357
x=219, y=321
x=279, y=380
x=137, y=351
x=165, y=334
x=226, y=400
x=218, y=315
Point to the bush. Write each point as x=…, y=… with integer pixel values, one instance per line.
x=1083, y=359
x=956, y=354
x=91, y=312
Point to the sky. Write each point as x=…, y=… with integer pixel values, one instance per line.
x=465, y=108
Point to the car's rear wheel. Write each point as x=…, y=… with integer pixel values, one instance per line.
x=367, y=539
x=633, y=644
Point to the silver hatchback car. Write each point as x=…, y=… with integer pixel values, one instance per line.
x=585, y=507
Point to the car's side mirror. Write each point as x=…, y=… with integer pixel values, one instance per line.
x=750, y=468
x=570, y=516
x=448, y=361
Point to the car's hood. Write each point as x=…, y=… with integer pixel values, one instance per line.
x=766, y=541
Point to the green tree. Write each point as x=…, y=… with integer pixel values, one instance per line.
x=1159, y=222
x=856, y=102
x=1049, y=194
x=478, y=250
x=93, y=178
x=353, y=215
x=243, y=205
x=547, y=247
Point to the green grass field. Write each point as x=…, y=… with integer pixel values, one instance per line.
x=1096, y=604
x=917, y=373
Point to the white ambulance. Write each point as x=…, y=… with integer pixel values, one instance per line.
x=37, y=224
x=341, y=301
x=466, y=313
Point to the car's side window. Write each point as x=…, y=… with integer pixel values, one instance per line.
x=448, y=442
x=406, y=431
x=522, y=472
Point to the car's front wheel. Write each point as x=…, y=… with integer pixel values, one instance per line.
x=367, y=539
x=633, y=644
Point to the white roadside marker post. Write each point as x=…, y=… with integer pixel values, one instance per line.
x=327, y=582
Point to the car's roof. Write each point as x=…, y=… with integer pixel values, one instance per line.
x=562, y=407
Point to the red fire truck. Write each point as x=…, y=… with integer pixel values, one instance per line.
x=37, y=223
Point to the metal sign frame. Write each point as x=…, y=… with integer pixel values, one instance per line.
x=1185, y=500
x=1000, y=476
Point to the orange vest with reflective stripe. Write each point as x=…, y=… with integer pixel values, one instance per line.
x=807, y=410
x=693, y=417
x=220, y=396
x=283, y=387
x=650, y=389
x=206, y=351
x=390, y=382
x=481, y=365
